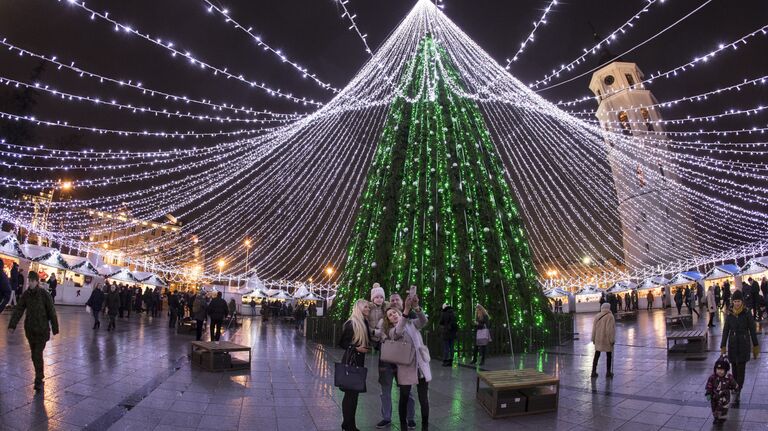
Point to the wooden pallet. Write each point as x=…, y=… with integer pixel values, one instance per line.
x=511, y=385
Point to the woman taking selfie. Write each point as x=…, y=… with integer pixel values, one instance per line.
x=354, y=341
x=417, y=372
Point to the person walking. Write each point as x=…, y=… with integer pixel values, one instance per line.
x=679, y=300
x=689, y=303
x=603, y=337
x=218, y=310
x=198, y=314
x=39, y=322
x=483, y=334
x=711, y=306
x=52, y=283
x=754, y=298
x=718, y=295
x=113, y=306
x=5, y=288
x=649, y=299
x=13, y=279
x=417, y=372
x=301, y=316
x=173, y=309
x=738, y=331
x=449, y=328
x=726, y=295
x=96, y=301
x=355, y=342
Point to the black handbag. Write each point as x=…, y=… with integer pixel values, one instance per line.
x=350, y=377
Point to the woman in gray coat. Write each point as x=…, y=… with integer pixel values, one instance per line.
x=418, y=371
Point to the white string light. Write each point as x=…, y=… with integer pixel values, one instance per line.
x=260, y=43
x=169, y=46
x=541, y=21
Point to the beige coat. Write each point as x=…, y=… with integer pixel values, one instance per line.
x=711, y=299
x=408, y=330
x=604, y=331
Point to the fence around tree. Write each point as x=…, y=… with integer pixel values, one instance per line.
x=324, y=330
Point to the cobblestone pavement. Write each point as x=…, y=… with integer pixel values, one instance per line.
x=138, y=377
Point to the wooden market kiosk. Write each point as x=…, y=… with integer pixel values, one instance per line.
x=655, y=285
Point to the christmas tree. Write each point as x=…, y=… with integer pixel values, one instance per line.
x=437, y=212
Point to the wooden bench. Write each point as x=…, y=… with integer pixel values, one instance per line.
x=695, y=341
x=215, y=355
x=626, y=315
x=517, y=392
x=685, y=320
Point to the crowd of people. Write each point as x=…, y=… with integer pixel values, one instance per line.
x=393, y=329
x=742, y=308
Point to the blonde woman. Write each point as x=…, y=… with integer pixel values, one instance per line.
x=354, y=340
x=417, y=372
x=482, y=334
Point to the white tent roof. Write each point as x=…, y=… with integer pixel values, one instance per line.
x=555, y=293
x=281, y=295
x=687, y=277
x=107, y=270
x=9, y=244
x=589, y=290
x=254, y=283
x=255, y=294
x=301, y=291
x=653, y=282
x=311, y=297
x=721, y=271
x=150, y=279
x=123, y=275
x=35, y=252
x=755, y=266
x=85, y=267
x=622, y=286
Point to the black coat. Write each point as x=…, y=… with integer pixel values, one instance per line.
x=345, y=342
x=218, y=309
x=754, y=293
x=15, y=278
x=96, y=300
x=737, y=331
x=113, y=303
x=448, y=323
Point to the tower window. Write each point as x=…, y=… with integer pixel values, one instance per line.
x=647, y=248
x=599, y=96
x=661, y=171
x=647, y=118
x=638, y=229
x=644, y=216
x=624, y=121
x=630, y=80
x=640, y=176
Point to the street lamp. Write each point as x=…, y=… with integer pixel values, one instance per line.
x=221, y=266
x=586, y=260
x=247, y=253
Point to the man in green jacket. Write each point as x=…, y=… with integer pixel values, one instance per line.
x=40, y=321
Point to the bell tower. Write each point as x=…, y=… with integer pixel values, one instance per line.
x=652, y=232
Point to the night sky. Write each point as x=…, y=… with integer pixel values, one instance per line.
x=312, y=33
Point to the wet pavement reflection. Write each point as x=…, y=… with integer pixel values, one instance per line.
x=138, y=377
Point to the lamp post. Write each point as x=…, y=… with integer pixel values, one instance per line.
x=221, y=267
x=247, y=244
